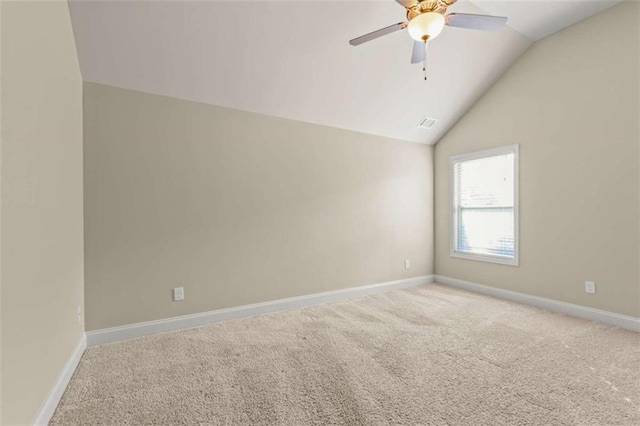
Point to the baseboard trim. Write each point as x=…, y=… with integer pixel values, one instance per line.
x=51, y=402
x=619, y=320
x=116, y=334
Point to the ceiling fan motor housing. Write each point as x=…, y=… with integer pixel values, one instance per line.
x=425, y=6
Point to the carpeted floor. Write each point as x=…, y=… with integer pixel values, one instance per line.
x=429, y=355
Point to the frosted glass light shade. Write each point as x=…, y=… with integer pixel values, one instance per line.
x=428, y=24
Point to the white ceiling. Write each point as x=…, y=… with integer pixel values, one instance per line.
x=292, y=59
x=540, y=18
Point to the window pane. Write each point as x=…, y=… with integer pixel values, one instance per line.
x=487, y=231
x=486, y=181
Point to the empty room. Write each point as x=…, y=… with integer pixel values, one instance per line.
x=313, y=212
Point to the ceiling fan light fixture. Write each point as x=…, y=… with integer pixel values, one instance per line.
x=426, y=26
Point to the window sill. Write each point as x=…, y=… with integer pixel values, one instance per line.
x=486, y=258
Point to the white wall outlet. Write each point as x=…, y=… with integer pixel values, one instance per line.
x=178, y=294
x=590, y=287
x=407, y=264
x=79, y=318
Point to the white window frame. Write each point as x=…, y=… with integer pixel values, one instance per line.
x=516, y=205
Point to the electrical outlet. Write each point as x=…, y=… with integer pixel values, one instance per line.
x=590, y=287
x=178, y=294
x=407, y=264
x=79, y=318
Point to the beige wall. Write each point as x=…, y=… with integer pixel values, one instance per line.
x=571, y=102
x=42, y=247
x=0, y=214
x=239, y=208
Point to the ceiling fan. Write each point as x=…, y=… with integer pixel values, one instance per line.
x=427, y=19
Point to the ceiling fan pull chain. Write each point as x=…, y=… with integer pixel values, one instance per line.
x=424, y=61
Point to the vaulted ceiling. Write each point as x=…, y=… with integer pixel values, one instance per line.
x=292, y=59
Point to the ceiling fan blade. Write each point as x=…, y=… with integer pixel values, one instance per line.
x=407, y=3
x=476, y=22
x=418, y=53
x=379, y=33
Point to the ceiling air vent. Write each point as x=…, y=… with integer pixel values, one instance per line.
x=427, y=123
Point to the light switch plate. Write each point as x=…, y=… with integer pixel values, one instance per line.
x=178, y=294
x=590, y=287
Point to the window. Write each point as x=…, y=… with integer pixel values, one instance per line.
x=484, y=205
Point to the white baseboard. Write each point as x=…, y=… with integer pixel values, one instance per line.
x=51, y=403
x=115, y=334
x=619, y=320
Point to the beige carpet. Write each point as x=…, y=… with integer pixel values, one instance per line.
x=428, y=355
